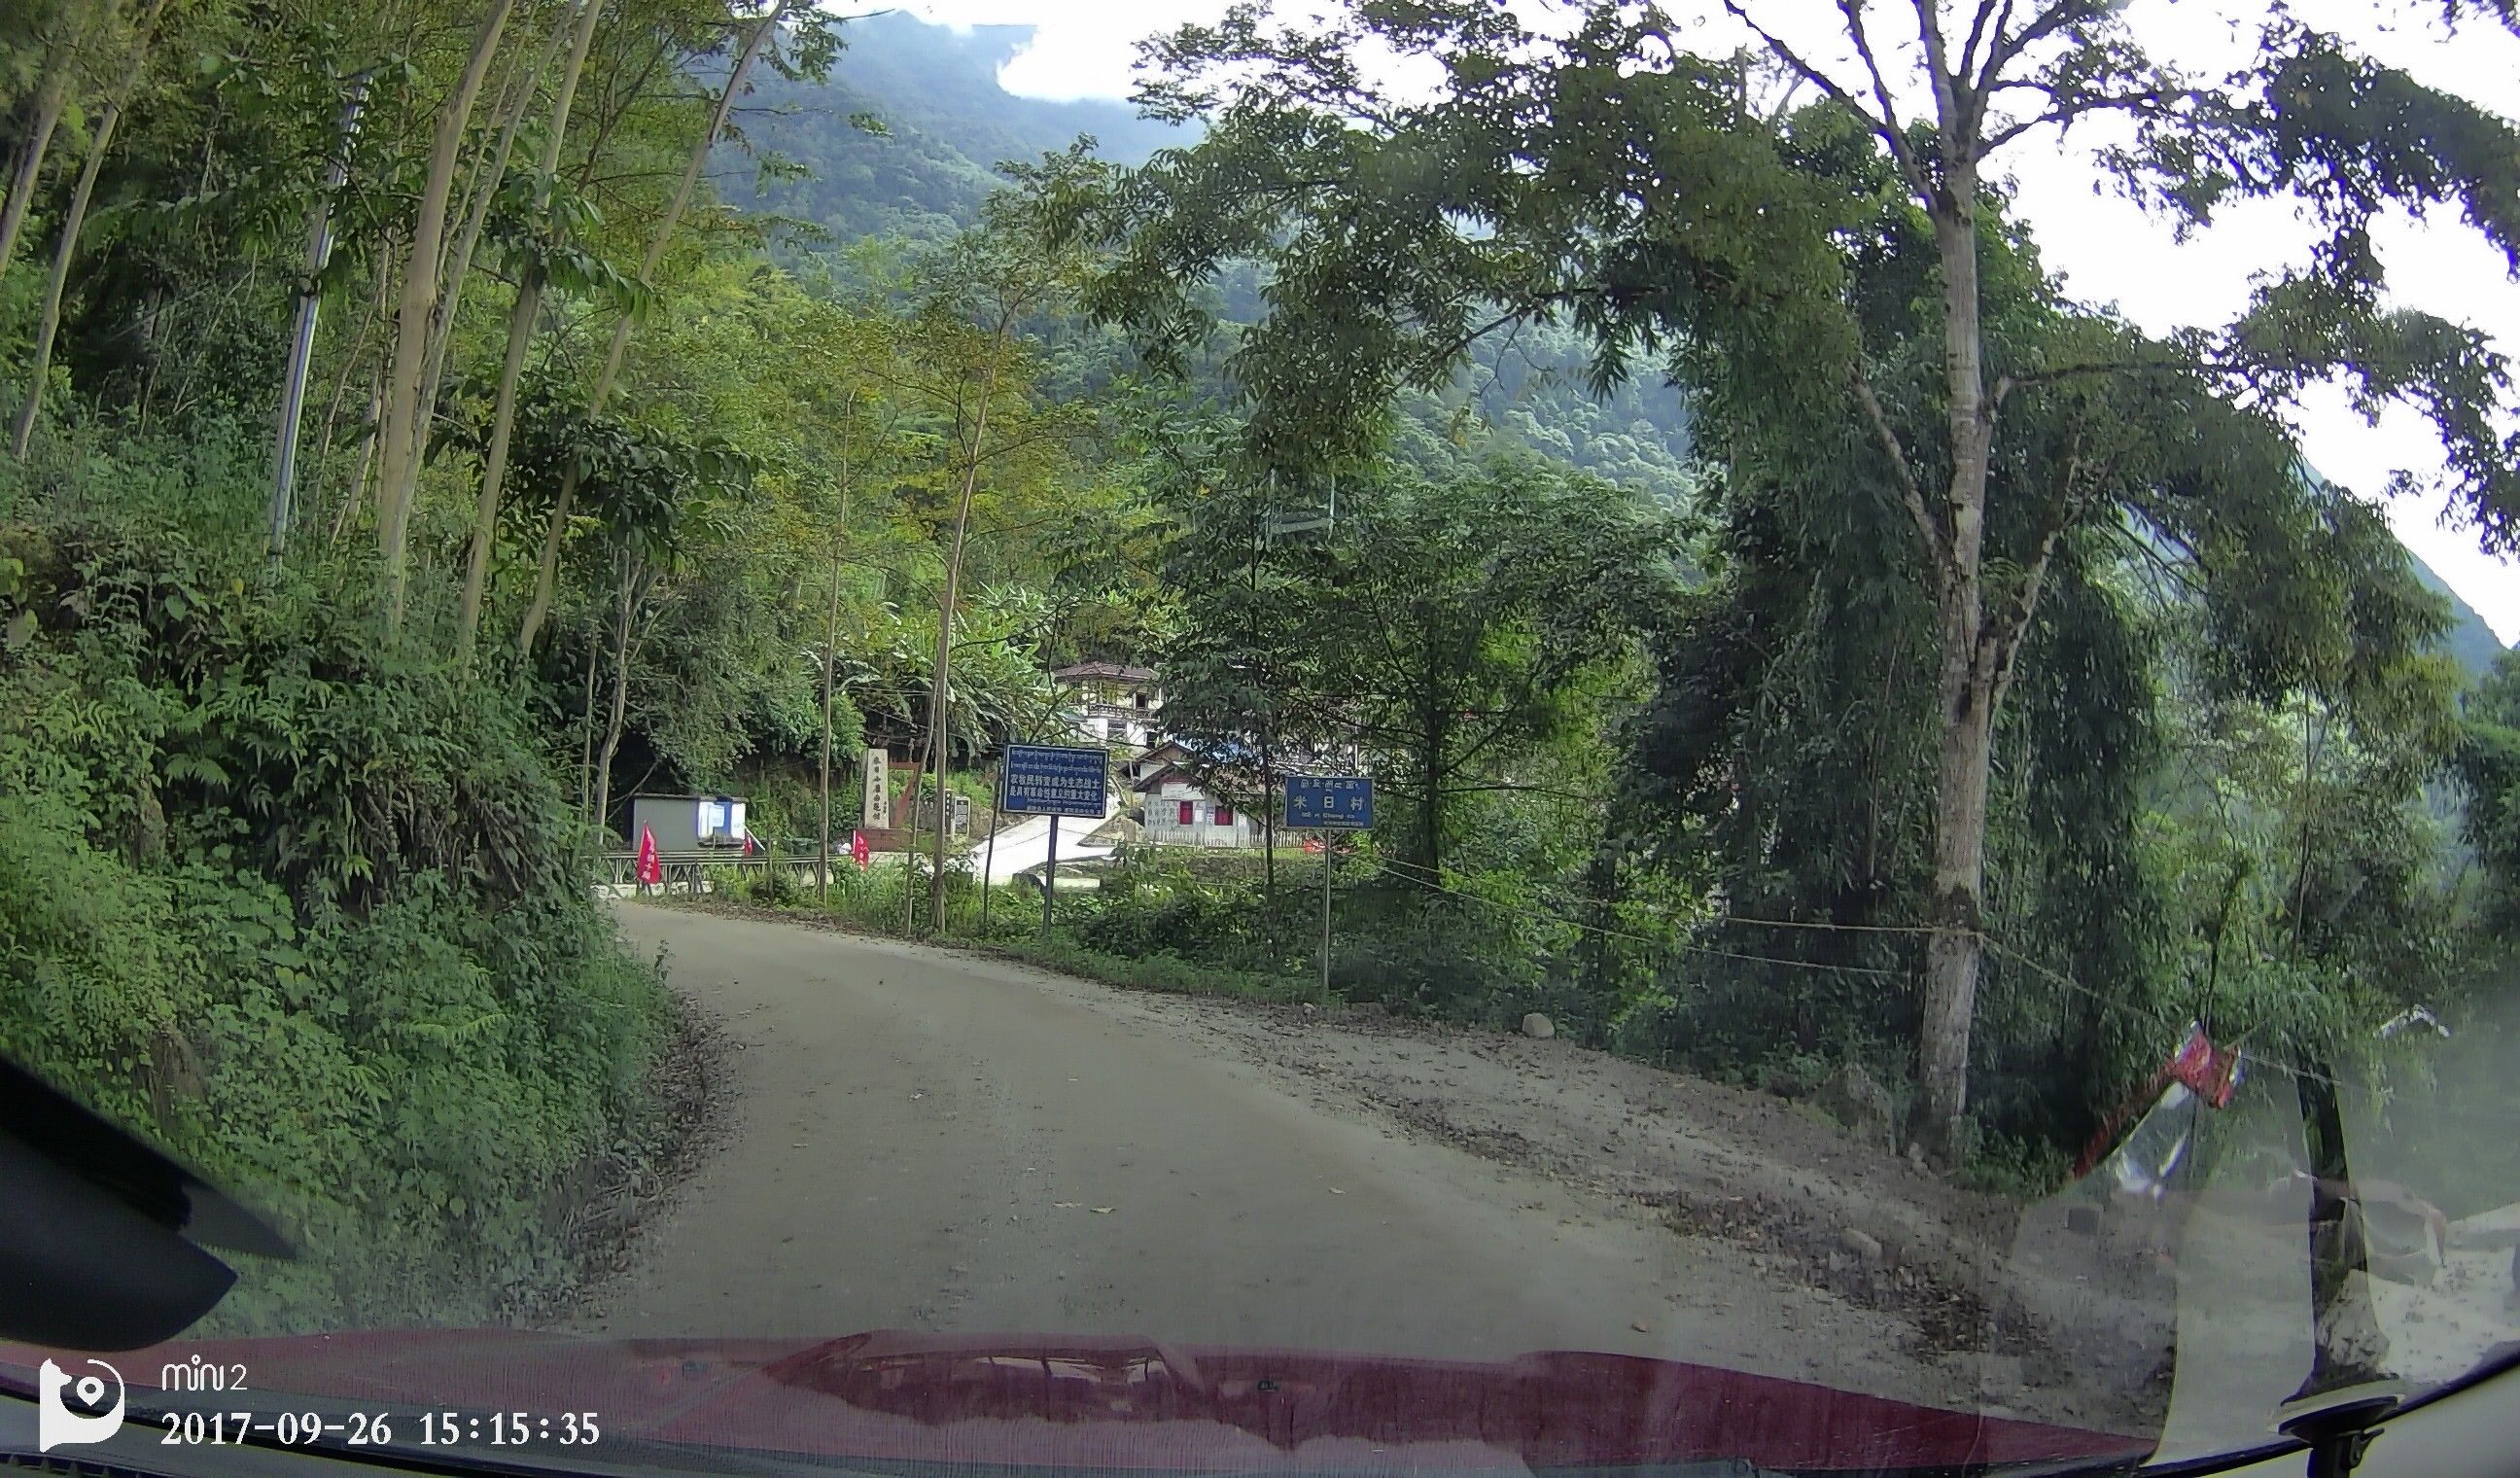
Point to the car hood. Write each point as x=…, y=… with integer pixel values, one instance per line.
x=1120, y=1403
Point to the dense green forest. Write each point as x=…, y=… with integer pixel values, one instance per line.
x=690, y=399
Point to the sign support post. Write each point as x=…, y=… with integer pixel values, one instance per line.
x=1055, y=780
x=1050, y=881
x=1328, y=803
x=1329, y=854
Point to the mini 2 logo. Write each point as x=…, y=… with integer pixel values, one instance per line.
x=71, y=1410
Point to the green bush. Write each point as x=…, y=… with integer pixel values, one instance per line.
x=775, y=886
x=1165, y=973
x=311, y=914
x=2022, y=1169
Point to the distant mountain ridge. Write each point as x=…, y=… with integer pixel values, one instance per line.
x=947, y=122
x=2469, y=640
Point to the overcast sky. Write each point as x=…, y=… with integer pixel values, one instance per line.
x=2107, y=252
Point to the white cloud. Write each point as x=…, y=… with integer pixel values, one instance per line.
x=1080, y=48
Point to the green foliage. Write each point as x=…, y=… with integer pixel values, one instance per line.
x=1169, y=973
x=310, y=915
x=2487, y=762
x=1830, y=286
x=1450, y=625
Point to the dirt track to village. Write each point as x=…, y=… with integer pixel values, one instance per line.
x=923, y=1139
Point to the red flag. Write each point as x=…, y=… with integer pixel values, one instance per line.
x=859, y=850
x=747, y=841
x=652, y=872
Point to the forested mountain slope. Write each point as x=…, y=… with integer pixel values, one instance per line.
x=2469, y=639
x=904, y=136
x=902, y=142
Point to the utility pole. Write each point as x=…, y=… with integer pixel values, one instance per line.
x=310, y=301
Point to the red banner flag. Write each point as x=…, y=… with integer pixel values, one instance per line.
x=652, y=870
x=859, y=850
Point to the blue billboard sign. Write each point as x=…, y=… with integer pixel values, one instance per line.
x=1330, y=802
x=1054, y=779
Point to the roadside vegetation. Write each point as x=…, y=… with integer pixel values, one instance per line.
x=1790, y=633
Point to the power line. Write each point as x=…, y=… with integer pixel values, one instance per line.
x=1393, y=870
x=1990, y=942
x=2135, y=1011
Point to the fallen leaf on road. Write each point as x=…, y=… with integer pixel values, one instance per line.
x=1335, y=1191
x=1639, y=1327
x=1067, y=1205
x=1102, y=1211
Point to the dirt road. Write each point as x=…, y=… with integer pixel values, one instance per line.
x=920, y=1139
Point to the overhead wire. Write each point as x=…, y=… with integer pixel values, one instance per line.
x=1994, y=945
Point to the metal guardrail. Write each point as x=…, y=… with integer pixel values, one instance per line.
x=686, y=871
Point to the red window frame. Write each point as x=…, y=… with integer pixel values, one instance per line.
x=1190, y=813
x=1225, y=816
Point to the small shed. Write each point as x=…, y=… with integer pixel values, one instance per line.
x=688, y=823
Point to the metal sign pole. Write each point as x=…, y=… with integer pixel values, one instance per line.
x=1329, y=853
x=1049, y=879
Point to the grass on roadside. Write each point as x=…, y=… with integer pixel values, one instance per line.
x=1015, y=923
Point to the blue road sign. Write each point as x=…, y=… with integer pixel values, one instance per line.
x=1330, y=802
x=1054, y=780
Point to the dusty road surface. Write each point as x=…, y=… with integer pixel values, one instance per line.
x=930, y=1139
x=920, y=1139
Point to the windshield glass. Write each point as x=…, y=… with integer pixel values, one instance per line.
x=1345, y=736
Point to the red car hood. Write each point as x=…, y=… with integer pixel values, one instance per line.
x=1116, y=1403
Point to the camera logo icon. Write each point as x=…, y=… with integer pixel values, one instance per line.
x=72, y=1411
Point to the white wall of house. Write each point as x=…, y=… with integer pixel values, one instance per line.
x=1111, y=727
x=1114, y=710
x=1165, y=806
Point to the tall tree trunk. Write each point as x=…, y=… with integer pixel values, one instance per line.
x=831, y=647
x=936, y=712
x=28, y=174
x=74, y=220
x=355, y=491
x=1968, y=687
x=350, y=357
x=621, y=690
x=586, y=731
x=520, y=332
x=546, y=570
x=50, y=322
x=403, y=436
x=1954, y=952
x=1267, y=838
x=494, y=468
x=830, y=660
x=61, y=59
x=1436, y=728
x=484, y=193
